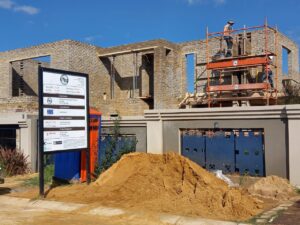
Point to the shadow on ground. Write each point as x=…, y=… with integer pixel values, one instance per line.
x=4, y=190
x=291, y=216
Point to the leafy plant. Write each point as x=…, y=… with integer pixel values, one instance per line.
x=13, y=162
x=243, y=178
x=116, y=146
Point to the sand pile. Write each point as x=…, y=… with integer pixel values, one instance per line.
x=272, y=187
x=174, y=184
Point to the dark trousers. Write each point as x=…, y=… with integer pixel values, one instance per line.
x=229, y=42
x=270, y=78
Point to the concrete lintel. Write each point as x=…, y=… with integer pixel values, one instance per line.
x=126, y=51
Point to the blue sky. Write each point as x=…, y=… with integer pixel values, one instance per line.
x=114, y=22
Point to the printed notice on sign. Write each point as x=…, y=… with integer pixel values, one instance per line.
x=64, y=110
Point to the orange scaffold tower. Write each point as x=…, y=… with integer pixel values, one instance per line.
x=254, y=90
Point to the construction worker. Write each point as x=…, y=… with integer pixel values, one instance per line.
x=228, y=38
x=270, y=76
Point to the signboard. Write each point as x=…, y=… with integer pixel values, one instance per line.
x=65, y=110
x=63, y=114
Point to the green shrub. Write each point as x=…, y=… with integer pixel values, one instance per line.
x=113, y=152
x=13, y=162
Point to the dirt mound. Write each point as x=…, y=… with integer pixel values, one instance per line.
x=272, y=187
x=174, y=184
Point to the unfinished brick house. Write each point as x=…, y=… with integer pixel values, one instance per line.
x=131, y=78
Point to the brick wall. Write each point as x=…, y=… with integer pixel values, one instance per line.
x=59, y=59
x=19, y=104
x=159, y=79
x=25, y=76
x=159, y=66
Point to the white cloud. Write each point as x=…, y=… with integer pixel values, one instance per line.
x=215, y=2
x=10, y=5
x=6, y=4
x=27, y=9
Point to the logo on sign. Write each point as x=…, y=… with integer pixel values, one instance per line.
x=235, y=63
x=49, y=100
x=50, y=111
x=64, y=79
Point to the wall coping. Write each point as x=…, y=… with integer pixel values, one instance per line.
x=126, y=121
x=253, y=112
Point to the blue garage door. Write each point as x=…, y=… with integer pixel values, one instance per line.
x=250, y=153
x=220, y=151
x=229, y=150
x=193, y=146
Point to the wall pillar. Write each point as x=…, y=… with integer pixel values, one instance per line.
x=155, y=137
x=159, y=77
x=28, y=142
x=294, y=151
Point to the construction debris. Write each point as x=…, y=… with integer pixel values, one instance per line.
x=219, y=174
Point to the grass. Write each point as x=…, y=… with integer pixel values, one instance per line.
x=48, y=174
x=243, y=178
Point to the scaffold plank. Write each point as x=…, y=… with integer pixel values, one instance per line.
x=238, y=87
x=237, y=62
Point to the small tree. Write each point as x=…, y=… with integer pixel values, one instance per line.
x=114, y=151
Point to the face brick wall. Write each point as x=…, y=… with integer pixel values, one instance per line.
x=25, y=76
x=159, y=79
x=159, y=66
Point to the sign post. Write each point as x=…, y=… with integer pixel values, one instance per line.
x=63, y=115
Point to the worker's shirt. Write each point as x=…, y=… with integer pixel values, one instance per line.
x=227, y=30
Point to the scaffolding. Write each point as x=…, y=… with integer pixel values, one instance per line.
x=241, y=64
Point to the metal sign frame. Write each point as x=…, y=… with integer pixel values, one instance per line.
x=42, y=118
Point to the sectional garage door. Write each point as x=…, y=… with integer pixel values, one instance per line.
x=230, y=150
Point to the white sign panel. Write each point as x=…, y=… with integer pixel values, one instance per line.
x=64, y=110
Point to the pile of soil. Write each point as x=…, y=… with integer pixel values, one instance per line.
x=164, y=183
x=273, y=187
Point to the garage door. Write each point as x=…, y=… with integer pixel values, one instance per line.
x=193, y=146
x=229, y=150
